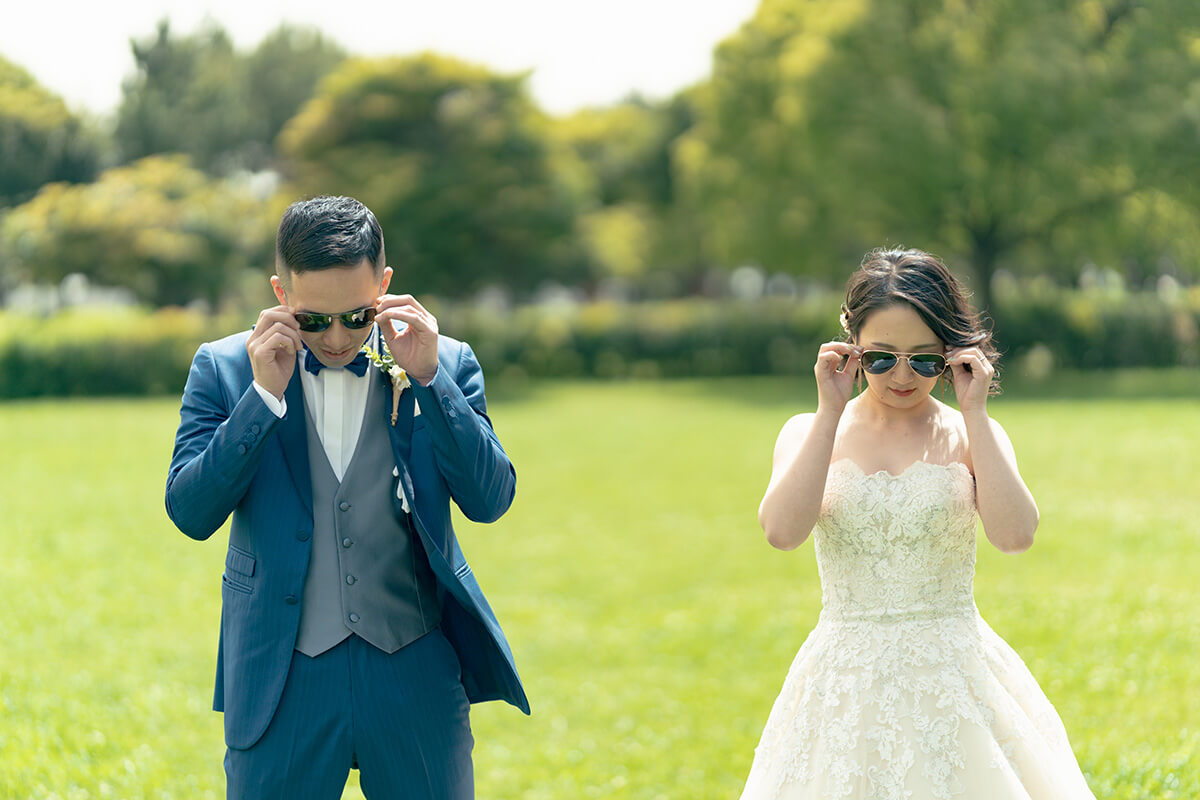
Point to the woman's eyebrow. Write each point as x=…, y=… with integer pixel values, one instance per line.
x=887, y=346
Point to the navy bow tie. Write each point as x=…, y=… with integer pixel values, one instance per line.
x=358, y=366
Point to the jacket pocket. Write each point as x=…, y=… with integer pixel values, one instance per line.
x=236, y=586
x=239, y=569
x=239, y=561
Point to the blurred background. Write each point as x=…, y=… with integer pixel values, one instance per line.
x=641, y=214
x=626, y=189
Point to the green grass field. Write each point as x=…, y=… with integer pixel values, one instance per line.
x=651, y=622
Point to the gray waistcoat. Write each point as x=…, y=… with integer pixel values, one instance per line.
x=367, y=573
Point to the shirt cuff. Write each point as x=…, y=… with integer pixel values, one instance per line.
x=436, y=370
x=277, y=405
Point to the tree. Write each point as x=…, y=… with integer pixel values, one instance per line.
x=453, y=159
x=40, y=140
x=186, y=96
x=197, y=95
x=1010, y=133
x=631, y=221
x=281, y=74
x=157, y=226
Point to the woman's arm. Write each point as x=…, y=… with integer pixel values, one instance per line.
x=792, y=502
x=1006, y=506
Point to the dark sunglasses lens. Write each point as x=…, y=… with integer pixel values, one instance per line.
x=359, y=319
x=928, y=365
x=877, y=363
x=313, y=323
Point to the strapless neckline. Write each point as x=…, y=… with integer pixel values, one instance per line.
x=916, y=464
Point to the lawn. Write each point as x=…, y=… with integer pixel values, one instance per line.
x=651, y=622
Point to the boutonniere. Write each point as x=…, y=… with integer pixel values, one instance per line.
x=389, y=367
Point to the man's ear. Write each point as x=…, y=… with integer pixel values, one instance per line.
x=277, y=285
x=387, y=278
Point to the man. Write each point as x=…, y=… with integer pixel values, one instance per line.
x=353, y=633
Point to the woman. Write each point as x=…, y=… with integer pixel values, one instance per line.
x=902, y=690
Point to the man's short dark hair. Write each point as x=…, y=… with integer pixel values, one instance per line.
x=327, y=232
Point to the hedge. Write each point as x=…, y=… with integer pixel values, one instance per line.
x=138, y=353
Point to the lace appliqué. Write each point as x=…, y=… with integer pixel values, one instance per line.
x=900, y=664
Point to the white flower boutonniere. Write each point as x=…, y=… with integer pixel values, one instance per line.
x=389, y=367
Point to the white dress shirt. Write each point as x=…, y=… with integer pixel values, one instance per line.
x=337, y=400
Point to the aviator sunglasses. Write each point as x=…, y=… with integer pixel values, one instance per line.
x=354, y=320
x=927, y=365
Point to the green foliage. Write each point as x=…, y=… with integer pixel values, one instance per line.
x=651, y=622
x=1040, y=331
x=1013, y=133
x=281, y=74
x=626, y=148
x=40, y=140
x=158, y=227
x=455, y=162
x=114, y=353
x=632, y=226
x=195, y=94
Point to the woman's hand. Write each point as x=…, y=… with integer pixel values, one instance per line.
x=835, y=386
x=972, y=377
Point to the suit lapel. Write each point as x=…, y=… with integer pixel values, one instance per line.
x=401, y=432
x=294, y=439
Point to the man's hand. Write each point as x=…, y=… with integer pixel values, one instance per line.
x=272, y=346
x=415, y=349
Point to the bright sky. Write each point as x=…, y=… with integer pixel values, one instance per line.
x=582, y=52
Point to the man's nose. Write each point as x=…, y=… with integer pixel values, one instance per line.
x=338, y=333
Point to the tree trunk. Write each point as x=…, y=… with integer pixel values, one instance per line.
x=985, y=253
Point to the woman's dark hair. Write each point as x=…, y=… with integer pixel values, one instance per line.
x=327, y=232
x=920, y=280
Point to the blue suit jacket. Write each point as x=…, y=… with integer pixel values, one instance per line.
x=234, y=456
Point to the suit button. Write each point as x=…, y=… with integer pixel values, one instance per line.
x=354, y=617
x=291, y=600
x=241, y=449
x=350, y=579
x=255, y=429
x=303, y=535
x=344, y=506
x=347, y=542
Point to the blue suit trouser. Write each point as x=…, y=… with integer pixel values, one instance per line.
x=401, y=718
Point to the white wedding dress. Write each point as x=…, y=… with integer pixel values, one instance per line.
x=902, y=690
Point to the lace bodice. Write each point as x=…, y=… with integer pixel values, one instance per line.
x=896, y=546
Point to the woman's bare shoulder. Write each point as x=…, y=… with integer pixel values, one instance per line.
x=951, y=435
x=792, y=434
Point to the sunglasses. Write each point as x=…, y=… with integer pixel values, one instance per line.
x=927, y=365
x=354, y=320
